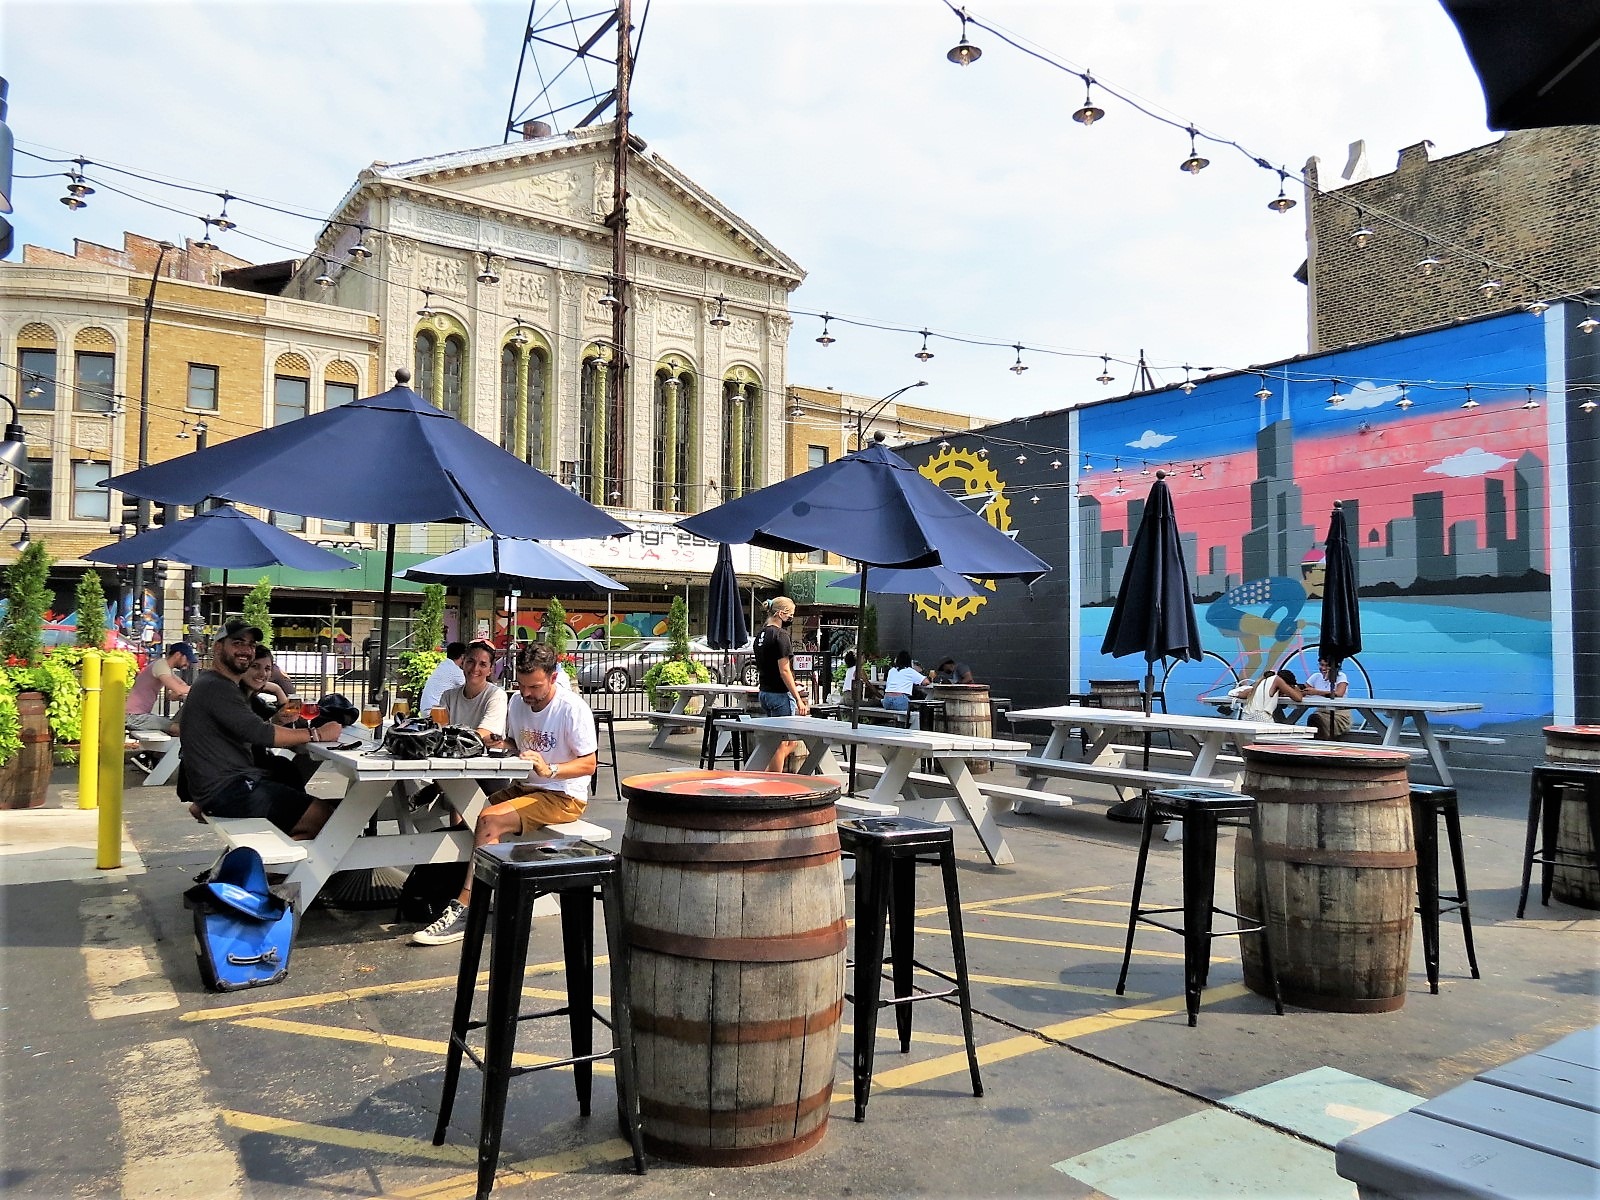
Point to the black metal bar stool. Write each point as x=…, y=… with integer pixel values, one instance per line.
x=1430, y=802
x=887, y=851
x=710, y=735
x=1551, y=786
x=579, y=873
x=1203, y=811
x=604, y=717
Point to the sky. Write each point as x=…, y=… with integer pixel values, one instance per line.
x=914, y=193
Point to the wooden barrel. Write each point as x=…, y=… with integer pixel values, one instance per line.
x=734, y=910
x=1574, y=883
x=29, y=779
x=1340, y=868
x=967, y=712
x=1117, y=693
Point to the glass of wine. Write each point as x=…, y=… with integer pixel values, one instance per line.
x=370, y=719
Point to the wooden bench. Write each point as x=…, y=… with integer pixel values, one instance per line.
x=151, y=741
x=940, y=785
x=1119, y=778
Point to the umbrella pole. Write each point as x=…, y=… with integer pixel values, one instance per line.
x=375, y=681
x=1132, y=811
x=857, y=682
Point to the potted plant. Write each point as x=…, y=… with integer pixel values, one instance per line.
x=427, y=640
x=559, y=634
x=677, y=667
x=25, y=772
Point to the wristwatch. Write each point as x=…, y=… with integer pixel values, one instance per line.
x=551, y=773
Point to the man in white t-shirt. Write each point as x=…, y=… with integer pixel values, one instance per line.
x=553, y=731
x=445, y=676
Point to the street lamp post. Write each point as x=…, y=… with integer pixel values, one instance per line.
x=143, y=521
x=864, y=418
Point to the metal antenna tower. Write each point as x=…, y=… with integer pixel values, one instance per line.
x=568, y=66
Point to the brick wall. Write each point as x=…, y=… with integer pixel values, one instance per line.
x=1526, y=201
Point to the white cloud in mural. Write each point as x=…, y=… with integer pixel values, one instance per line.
x=1473, y=461
x=1151, y=440
x=1366, y=395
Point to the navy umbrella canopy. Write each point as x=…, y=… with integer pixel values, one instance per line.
x=726, y=627
x=502, y=563
x=1341, y=610
x=224, y=538
x=390, y=459
x=912, y=581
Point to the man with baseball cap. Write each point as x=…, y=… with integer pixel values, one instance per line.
x=218, y=731
x=160, y=675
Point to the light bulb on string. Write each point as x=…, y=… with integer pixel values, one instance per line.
x=360, y=252
x=1018, y=367
x=827, y=339
x=1530, y=402
x=1263, y=392
x=1188, y=385
x=1090, y=112
x=1589, y=405
x=519, y=336
x=983, y=452
x=720, y=319
x=1538, y=307
x=924, y=354
x=1021, y=458
x=323, y=279
x=1105, y=375
x=1405, y=400
x=1034, y=499
x=1361, y=234
x=487, y=275
x=1589, y=324
x=77, y=187
x=944, y=443
x=1489, y=287
x=426, y=310
x=1199, y=471
x=1087, y=465
x=1055, y=464
x=1196, y=162
x=964, y=53
x=1428, y=264
x=1469, y=402
x=1336, y=399
x=222, y=221
x=1284, y=202
x=183, y=434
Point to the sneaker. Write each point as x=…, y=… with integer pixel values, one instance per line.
x=450, y=927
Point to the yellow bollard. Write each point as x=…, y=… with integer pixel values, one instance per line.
x=89, y=734
x=113, y=701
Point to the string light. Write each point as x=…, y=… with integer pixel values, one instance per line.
x=1144, y=467
x=719, y=319
x=1588, y=405
x=1055, y=464
x=222, y=221
x=1589, y=324
x=924, y=354
x=964, y=53
x=1199, y=471
x=1361, y=235
x=1196, y=162
x=359, y=252
x=1284, y=202
x=1018, y=367
x=1090, y=112
x=1105, y=376
x=1427, y=264
x=1538, y=307
x=77, y=187
x=487, y=274
x=519, y=335
x=1263, y=392
x=1336, y=398
x=1188, y=385
x=1530, y=403
x=827, y=339
x=426, y=310
x=1405, y=398
x=1489, y=287
x=323, y=279
x=1469, y=402
x=183, y=434
x=1087, y=465
x=1021, y=458
x=608, y=298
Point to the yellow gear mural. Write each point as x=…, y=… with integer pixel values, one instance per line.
x=971, y=476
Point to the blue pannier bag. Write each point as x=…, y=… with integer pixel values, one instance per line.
x=243, y=928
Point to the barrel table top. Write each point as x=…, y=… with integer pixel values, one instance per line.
x=733, y=789
x=1576, y=731
x=1354, y=755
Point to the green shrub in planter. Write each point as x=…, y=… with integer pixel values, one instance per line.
x=674, y=670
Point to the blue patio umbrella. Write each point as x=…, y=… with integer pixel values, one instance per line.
x=223, y=538
x=1341, y=610
x=912, y=581
x=1154, y=611
x=390, y=459
x=874, y=507
x=726, y=626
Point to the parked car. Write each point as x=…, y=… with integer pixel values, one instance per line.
x=623, y=669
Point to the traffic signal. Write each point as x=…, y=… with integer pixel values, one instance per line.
x=129, y=520
x=163, y=514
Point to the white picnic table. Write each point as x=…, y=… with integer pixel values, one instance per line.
x=901, y=750
x=1391, y=715
x=685, y=692
x=1208, y=734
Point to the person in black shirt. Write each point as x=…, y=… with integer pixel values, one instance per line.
x=779, y=694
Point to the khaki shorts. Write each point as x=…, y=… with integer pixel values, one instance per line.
x=538, y=806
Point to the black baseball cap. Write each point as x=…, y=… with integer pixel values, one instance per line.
x=185, y=649
x=238, y=628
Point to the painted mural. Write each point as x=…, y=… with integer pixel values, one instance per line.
x=1438, y=448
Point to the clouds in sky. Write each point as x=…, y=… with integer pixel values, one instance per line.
x=915, y=193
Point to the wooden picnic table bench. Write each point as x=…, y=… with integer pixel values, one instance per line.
x=1122, y=779
x=932, y=785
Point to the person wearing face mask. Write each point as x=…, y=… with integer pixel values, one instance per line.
x=774, y=655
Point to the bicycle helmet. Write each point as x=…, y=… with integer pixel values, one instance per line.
x=413, y=739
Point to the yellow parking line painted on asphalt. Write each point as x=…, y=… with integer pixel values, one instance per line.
x=1052, y=985
x=371, y=1037
x=1000, y=937
x=530, y=1170
x=290, y=1003
x=1026, y=916
x=1032, y=898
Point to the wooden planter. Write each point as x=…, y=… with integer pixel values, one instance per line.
x=25, y=780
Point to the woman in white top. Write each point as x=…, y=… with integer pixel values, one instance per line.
x=1260, y=698
x=902, y=681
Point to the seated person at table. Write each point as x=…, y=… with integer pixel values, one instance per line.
x=553, y=731
x=1259, y=698
x=871, y=693
x=902, y=683
x=477, y=703
x=160, y=675
x=1330, y=723
x=219, y=732
x=445, y=676
x=951, y=671
x=267, y=701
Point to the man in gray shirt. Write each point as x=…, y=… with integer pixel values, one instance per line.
x=217, y=732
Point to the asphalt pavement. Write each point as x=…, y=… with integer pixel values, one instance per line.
x=123, y=1077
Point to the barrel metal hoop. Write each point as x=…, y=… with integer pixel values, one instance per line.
x=830, y=858
x=1377, y=791
x=745, y=1032
x=713, y=852
x=787, y=947
x=699, y=1154
x=1310, y=856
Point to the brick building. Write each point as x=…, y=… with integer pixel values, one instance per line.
x=1526, y=200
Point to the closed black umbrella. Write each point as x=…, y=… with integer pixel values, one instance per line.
x=1154, y=612
x=1341, y=610
x=726, y=627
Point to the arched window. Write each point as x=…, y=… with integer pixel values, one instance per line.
x=427, y=348
x=455, y=351
x=441, y=365
x=675, y=418
x=524, y=376
x=742, y=433
x=597, y=435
